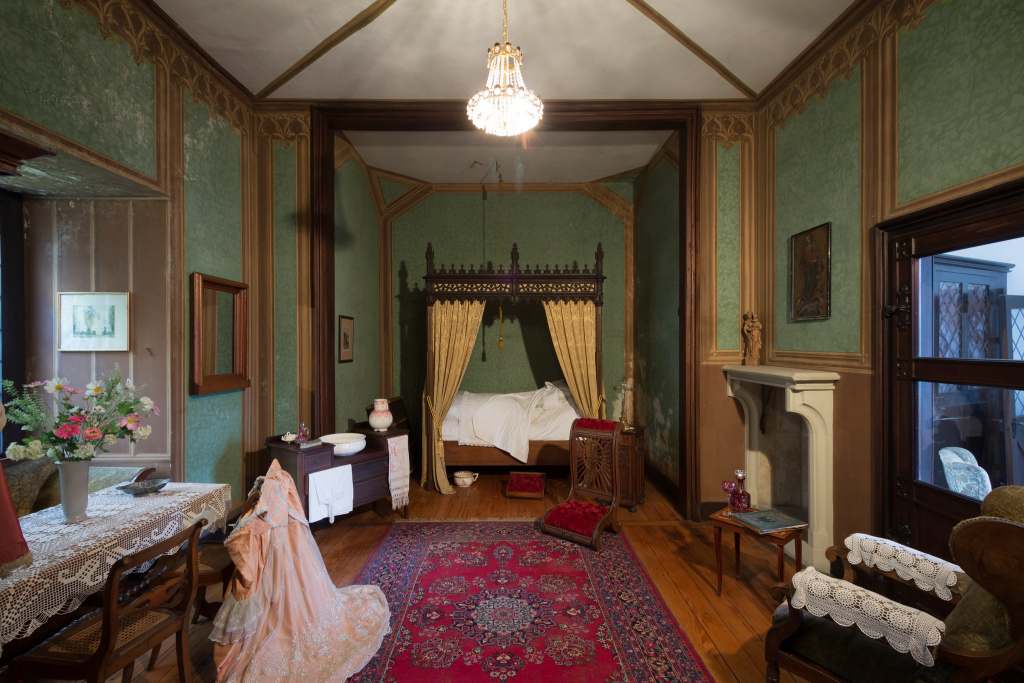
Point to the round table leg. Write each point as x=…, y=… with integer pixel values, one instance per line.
x=718, y=557
x=782, y=562
x=736, y=544
x=799, y=551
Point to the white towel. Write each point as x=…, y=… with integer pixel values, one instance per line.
x=398, y=471
x=330, y=493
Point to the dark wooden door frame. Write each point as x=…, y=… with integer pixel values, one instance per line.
x=559, y=115
x=988, y=216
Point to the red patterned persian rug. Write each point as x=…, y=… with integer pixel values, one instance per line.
x=499, y=601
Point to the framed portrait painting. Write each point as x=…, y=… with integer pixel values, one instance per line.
x=810, y=274
x=93, y=321
x=346, y=338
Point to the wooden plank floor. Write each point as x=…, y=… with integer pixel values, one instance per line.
x=727, y=631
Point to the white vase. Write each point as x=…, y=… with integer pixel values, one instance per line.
x=74, y=489
x=381, y=418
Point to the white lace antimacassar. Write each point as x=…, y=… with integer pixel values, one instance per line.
x=929, y=573
x=905, y=629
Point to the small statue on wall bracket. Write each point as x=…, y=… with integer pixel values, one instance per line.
x=751, y=339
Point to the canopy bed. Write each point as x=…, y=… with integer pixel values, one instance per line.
x=455, y=298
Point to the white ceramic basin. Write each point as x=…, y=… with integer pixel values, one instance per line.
x=346, y=443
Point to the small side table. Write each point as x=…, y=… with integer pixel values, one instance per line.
x=723, y=520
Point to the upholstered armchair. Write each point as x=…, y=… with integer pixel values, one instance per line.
x=829, y=628
x=35, y=484
x=963, y=473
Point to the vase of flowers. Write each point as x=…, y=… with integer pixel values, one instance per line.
x=72, y=426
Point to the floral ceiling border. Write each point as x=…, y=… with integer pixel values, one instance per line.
x=148, y=40
x=888, y=17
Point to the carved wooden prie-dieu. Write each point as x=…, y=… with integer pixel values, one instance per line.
x=517, y=282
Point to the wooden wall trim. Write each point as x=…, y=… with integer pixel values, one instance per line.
x=304, y=285
x=322, y=137
x=727, y=128
x=174, y=168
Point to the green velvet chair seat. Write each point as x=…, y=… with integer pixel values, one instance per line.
x=853, y=656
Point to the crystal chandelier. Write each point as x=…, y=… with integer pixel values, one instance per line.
x=505, y=106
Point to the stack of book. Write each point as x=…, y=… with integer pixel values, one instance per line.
x=768, y=521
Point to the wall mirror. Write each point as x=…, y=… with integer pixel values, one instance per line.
x=219, y=320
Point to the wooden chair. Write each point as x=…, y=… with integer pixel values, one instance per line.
x=110, y=640
x=593, y=497
x=983, y=632
x=215, y=565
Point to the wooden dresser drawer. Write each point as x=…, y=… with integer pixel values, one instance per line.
x=369, y=490
x=370, y=469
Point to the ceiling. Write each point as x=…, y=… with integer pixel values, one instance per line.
x=574, y=49
x=541, y=157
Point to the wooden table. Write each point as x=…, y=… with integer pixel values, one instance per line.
x=70, y=562
x=722, y=519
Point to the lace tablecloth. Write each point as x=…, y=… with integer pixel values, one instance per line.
x=72, y=561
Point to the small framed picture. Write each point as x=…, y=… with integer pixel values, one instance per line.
x=93, y=321
x=346, y=338
x=810, y=274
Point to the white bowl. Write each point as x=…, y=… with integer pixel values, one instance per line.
x=346, y=443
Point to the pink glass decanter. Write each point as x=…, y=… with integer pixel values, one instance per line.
x=739, y=497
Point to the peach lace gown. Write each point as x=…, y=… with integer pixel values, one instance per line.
x=283, y=619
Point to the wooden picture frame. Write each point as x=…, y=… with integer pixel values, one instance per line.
x=93, y=321
x=346, y=339
x=206, y=340
x=810, y=274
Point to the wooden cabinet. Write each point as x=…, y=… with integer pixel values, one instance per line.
x=632, y=452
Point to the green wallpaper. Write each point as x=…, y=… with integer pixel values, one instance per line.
x=727, y=248
x=393, y=189
x=60, y=73
x=286, y=378
x=549, y=227
x=961, y=94
x=213, y=245
x=356, y=272
x=657, y=315
x=818, y=180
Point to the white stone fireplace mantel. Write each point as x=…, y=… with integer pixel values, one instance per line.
x=809, y=394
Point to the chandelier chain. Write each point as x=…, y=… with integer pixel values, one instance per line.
x=504, y=11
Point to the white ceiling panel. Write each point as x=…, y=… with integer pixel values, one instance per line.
x=574, y=49
x=473, y=157
x=257, y=40
x=755, y=39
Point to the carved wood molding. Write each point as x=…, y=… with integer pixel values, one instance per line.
x=283, y=125
x=151, y=41
x=888, y=17
x=728, y=127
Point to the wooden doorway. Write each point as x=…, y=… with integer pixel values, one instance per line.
x=952, y=374
x=684, y=119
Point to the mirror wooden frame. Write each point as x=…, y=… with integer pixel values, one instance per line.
x=238, y=378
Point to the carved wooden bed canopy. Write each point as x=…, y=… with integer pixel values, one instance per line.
x=552, y=283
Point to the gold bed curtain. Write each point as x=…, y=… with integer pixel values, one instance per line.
x=452, y=329
x=573, y=326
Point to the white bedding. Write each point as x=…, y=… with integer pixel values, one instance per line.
x=510, y=421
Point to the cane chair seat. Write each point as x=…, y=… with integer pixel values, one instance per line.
x=80, y=639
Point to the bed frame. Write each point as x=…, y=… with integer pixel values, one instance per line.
x=542, y=453
x=517, y=283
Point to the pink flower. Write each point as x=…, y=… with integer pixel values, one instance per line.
x=93, y=434
x=67, y=431
x=77, y=419
x=130, y=422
